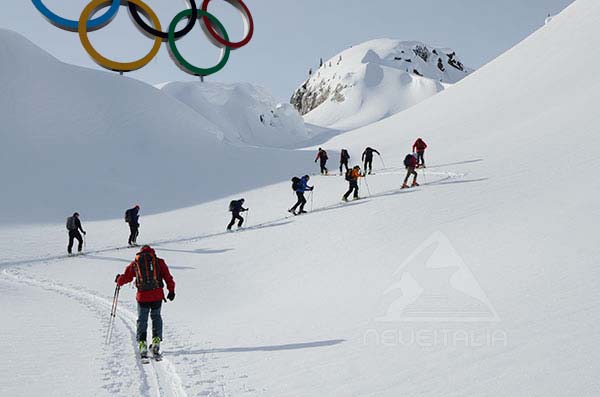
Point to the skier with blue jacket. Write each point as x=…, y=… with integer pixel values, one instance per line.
x=300, y=185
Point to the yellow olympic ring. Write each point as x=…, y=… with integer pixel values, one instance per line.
x=105, y=62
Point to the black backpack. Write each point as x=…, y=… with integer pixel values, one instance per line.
x=349, y=175
x=128, y=216
x=71, y=224
x=235, y=204
x=409, y=160
x=345, y=155
x=295, y=183
x=147, y=272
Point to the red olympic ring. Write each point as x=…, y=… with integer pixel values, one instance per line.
x=240, y=6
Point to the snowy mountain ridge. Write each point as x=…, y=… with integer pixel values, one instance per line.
x=259, y=119
x=374, y=80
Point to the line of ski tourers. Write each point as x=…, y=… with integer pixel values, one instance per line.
x=300, y=185
x=151, y=273
x=412, y=161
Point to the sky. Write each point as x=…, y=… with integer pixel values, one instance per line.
x=290, y=36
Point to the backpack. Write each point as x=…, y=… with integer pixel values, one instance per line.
x=233, y=205
x=349, y=175
x=345, y=155
x=296, y=183
x=128, y=216
x=147, y=272
x=409, y=160
x=71, y=225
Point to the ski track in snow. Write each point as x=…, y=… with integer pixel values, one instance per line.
x=157, y=378
x=161, y=378
x=443, y=177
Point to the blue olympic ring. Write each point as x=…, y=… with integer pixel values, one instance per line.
x=73, y=26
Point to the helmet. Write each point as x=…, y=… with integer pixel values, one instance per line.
x=137, y=206
x=242, y=200
x=76, y=214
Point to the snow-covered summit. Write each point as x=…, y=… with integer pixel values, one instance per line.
x=374, y=80
x=260, y=120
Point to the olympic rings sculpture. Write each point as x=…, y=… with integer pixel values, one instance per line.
x=213, y=28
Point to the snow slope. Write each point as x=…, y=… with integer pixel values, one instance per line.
x=259, y=121
x=375, y=80
x=80, y=139
x=502, y=236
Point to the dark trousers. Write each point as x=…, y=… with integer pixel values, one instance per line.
x=301, y=201
x=344, y=164
x=368, y=165
x=74, y=234
x=134, y=229
x=353, y=188
x=421, y=157
x=235, y=216
x=324, y=169
x=153, y=309
x=410, y=171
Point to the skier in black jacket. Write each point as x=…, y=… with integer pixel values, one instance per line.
x=132, y=217
x=74, y=226
x=367, y=157
x=344, y=157
x=236, y=207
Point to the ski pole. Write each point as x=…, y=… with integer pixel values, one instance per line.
x=247, y=217
x=382, y=162
x=311, y=199
x=113, y=314
x=367, y=185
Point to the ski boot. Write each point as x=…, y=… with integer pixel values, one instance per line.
x=155, y=346
x=405, y=186
x=302, y=212
x=414, y=184
x=143, y=349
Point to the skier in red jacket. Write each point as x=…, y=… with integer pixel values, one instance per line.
x=149, y=272
x=322, y=158
x=419, y=147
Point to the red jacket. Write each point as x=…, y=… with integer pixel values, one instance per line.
x=420, y=145
x=155, y=294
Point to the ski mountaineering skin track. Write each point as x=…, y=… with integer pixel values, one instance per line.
x=441, y=177
x=157, y=379
x=161, y=378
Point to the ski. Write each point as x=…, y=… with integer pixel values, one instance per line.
x=145, y=359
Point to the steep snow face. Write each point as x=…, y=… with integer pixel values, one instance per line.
x=374, y=80
x=79, y=139
x=260, y=120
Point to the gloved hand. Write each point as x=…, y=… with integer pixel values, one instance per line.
x=117, y=277
x=84, y=233
x=247, y=209
x=171, y=295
